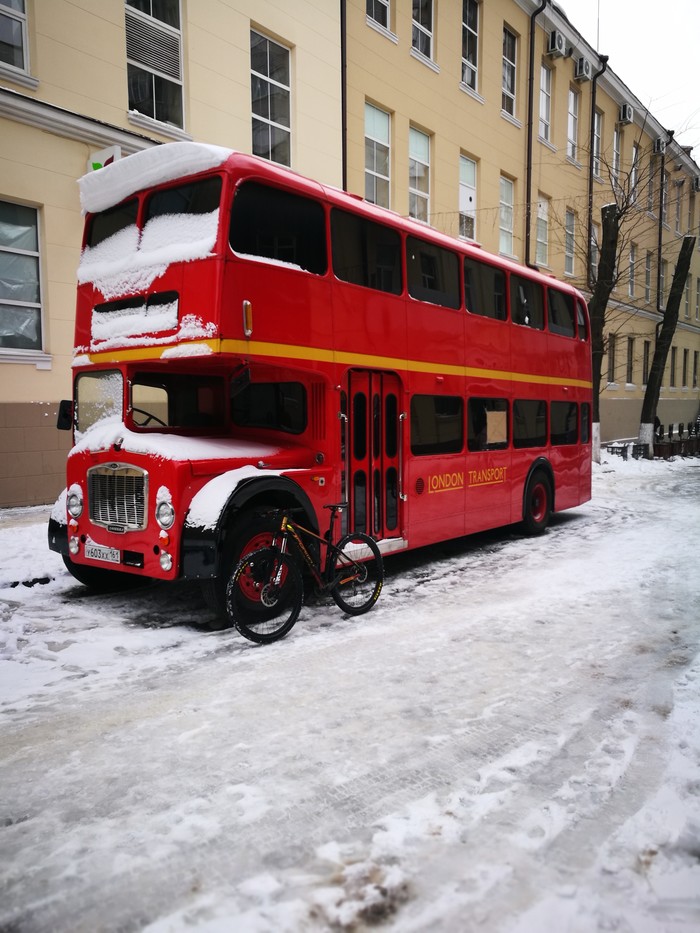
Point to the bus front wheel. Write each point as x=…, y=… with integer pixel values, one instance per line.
x=537, y=505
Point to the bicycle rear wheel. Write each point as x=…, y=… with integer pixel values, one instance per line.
x=264, y=595
x=359, y=571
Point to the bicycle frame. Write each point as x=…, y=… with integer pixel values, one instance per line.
x=325, y=579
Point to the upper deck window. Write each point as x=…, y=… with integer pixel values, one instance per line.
x=366, y=253
x=484, y=289
x=560, y=313
x=433, y=273
x=269, y=223
x=526, y=305
x=197, y=197
x=107, y=223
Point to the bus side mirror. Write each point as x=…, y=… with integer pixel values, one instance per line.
x=64, y=421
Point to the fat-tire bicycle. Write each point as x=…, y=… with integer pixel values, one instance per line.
x=265, y=593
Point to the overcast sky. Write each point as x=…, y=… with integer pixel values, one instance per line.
x=654, y=51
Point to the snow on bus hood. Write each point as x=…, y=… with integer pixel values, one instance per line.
x=105, y=434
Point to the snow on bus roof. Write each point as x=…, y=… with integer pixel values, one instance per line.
x=108, y=186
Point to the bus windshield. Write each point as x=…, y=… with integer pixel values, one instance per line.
x=178, y=400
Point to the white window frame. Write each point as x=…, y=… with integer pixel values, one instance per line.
x=617, y=155
x=470, y=38
x=629, y=375
x=505, y=215
x=509, y=81
x=650, y=187
x=542, y=232
x=545, y=130
x=634, y=173
x=648, y=267
x=662, y=284
x=418, y=167
x=574, y=101
x=597, y=137
x=467, y=197
x=687, y=298
x=631, y=283
x=373, y=6
x=18, y=73
x=161, y=48
x=663, y=197
x=612, y=349
x=570, y=242
x=679, y=205
x=421, y=35
x=272, y=125
x=646, y=361
x=373, y=177
x=697, y=299
x=595, y=250
x=35, y=355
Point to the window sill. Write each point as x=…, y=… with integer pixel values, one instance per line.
x=428, y=62
x=471, y=92
x=31, y=357
x=18, y=77
x=546, y=142
x=382, y=30
x=574, y=162
x=155, y=126
x=511, y=119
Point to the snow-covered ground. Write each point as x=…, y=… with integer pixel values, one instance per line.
x=509, y=741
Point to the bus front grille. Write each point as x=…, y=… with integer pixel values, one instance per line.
x=117, y=496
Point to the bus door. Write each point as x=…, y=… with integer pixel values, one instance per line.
x=373, y=453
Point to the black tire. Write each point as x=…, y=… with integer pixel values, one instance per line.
x=101, y=580
x=264, y=595
x=361, y=579
x=537, y=505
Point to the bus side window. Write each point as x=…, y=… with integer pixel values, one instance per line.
x=563, y=426
x=273, y=224
x=560, y=313
x=529, y=423
x=581, y=321
x=436, y=424
x=484, y=289
x=433, y=273
x=487, y=424
x=526, y=306
x=365, y=253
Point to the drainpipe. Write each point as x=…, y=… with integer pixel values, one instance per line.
x=662, y=204
x=603, y=59
x=344, y=93
x=530, y=106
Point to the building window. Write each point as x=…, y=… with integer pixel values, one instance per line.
x=505, y=217
x=422, y=31
x=648, y=263
x=634, y=173
x=650, y=187
x=546, y=103
x=13, y=34
x=617, y=138
x=595, y=251
x=646, y=361
x=672, y=373
x=632, y=269
x=597, y=136
x=377, y=155
x=378, y=10
x=270, y=91
x=630, y=360
x=572, y=125
x=663, y=197
x=570, y=243
x=696, y=366
x=686, y=360
x=154, y=59
x=687, y=297
x=611, y=358
x=662, y=285
x=679, y=206
x=20, y=287
x=467, y=198
x=418, y=175
x=510, y=44
x=542, y=232
x=697, y=299
x=470, y=43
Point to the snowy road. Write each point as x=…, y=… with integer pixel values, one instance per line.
x=509, y=741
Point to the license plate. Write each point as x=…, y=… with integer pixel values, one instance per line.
x=97, y=552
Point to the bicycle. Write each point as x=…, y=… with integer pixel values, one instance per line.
x=265, y=593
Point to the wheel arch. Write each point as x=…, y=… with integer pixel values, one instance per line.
x=540, y=464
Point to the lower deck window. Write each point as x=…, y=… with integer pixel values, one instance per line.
x=280, y=406
x=529, y=423
x=437, y=424
x=487, y=424
x=563, y=423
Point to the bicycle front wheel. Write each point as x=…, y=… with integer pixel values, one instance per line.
x=359, y=572
x=264, y=595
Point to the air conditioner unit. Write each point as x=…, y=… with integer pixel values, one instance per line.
x=696, y=183
x=659, y=146
x=582, y=71
x=557, y=44
x=626, y=113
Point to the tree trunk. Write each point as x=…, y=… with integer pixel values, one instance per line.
x=663, y=345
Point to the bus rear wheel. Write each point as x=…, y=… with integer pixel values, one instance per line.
x=537, y=505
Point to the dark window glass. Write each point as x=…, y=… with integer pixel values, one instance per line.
x=391, y=425
x=529, y=423
x=487, y=424
x=433, y=273
x=274, y=224
x=392, y=498
x=560, y=313
x=365, y=253
x=359, y=426
x=582, y=321
x=177, y=400
x=437, y=424
x=484, y=289
x=105, y=224
x=526, y=302
x=154, y=96
x=585, y=423
x=277, y=405
x=197, y=197
x=563, y=423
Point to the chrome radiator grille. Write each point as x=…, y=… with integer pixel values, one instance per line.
x=117, y=496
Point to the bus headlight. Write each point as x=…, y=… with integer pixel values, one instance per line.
x=166, y=561
x=74, y=502
x=165, y=514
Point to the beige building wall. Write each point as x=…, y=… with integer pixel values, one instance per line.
x=70, y=100
x=428, y=93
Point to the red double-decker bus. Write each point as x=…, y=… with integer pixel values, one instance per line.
x=248, y=339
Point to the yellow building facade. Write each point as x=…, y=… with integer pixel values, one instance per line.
x=492, y=120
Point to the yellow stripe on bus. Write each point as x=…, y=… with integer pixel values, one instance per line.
x=292, y=352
